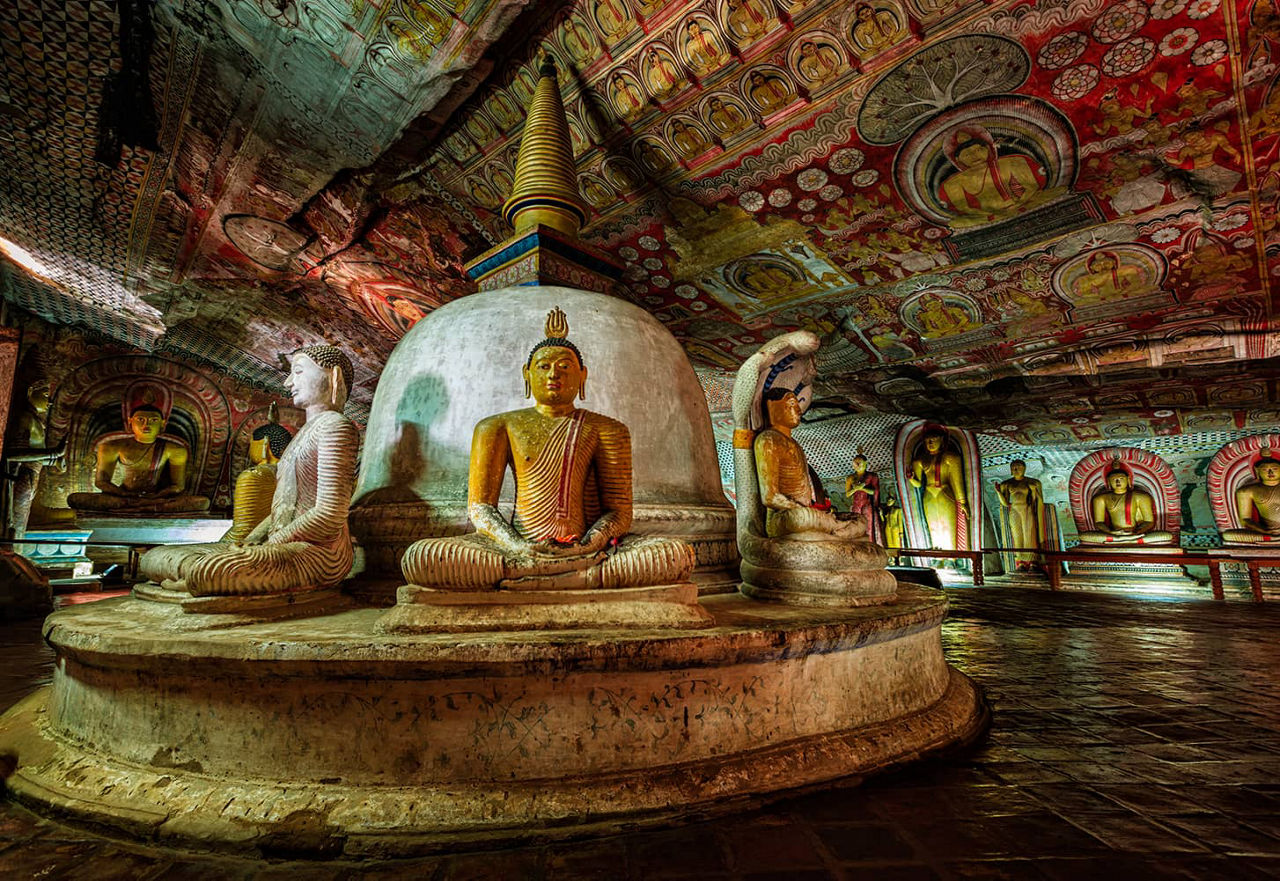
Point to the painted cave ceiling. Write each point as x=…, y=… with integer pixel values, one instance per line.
x=1041, y=218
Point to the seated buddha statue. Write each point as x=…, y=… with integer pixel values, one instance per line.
x=1258, y=505
x=573, y=505
x=304, y=543
x=793, y=508
x=153, y=466
x=1123, y=514
x=256, y=485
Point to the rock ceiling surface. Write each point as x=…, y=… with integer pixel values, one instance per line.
x=1030, y=217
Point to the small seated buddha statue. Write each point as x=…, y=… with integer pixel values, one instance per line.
x=1258, y=505
x=573, y=505
x=304, y=544
x=256, y=485
x=153, y=465
x=794, y=509
x=1123, y=513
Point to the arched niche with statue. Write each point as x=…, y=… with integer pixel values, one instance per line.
x=1244, y=493
x=86, y=407
x=1111, y=512
x=942, y=497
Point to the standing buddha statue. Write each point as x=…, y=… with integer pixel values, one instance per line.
x=1258, y=504
x=1022, y=499
x=153, y=466
x=572, y=470
x=939, y=474
x=862, y=492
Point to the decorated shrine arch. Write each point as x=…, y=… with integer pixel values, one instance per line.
x=83, y=404
x=1147, y=472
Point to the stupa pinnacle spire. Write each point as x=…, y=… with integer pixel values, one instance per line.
x=546, y=186
x=545, y=208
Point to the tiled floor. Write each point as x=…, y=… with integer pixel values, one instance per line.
x=1133, y=739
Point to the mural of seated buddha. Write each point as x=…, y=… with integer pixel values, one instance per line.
x=152, y=466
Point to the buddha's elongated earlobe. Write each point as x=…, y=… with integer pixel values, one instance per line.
x=582, y=389
x=335, y=377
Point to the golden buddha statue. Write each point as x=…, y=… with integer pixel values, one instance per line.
x=304, y=544
x=1258, y=505
x=894, y=529
x=153, y=466
x=1123, y=514
x=256, y=486
x=1022, y=499
x=793, y=507
x=940, y=474
x=572, y=470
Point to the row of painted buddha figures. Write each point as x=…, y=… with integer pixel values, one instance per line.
x=1120, y=513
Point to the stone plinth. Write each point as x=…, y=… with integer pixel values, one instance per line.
x=323, y=736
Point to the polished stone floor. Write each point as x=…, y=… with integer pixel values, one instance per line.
x=1133, y=739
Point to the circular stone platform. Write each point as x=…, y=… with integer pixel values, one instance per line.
x=320, y=736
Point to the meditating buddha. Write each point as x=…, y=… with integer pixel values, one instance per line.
x=572, y=470
x=793, y=507
x=304, y=544
x=1258, y=505
x=152, y=465
x=940, y=474
x=1123, y=514
x=256, y=485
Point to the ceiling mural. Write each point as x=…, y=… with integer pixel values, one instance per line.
x=1041, y=218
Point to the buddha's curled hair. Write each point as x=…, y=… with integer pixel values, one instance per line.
x=557, y=331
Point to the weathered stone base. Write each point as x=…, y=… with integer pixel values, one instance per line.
x=234, y=610
x=322, y=737
x=427, y=610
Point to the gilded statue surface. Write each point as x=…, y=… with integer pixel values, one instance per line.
x=304, y=543
x=1123, y=513
x=572, y=470
x=256, y=486
x=794, y=508
x=1258, y=505
x=939, y=473
x=152, y=466
x=1022, y=499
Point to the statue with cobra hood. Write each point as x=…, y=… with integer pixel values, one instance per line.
x=794, y=548
x=152, y=466
x=568, y=536
x=304, y=544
